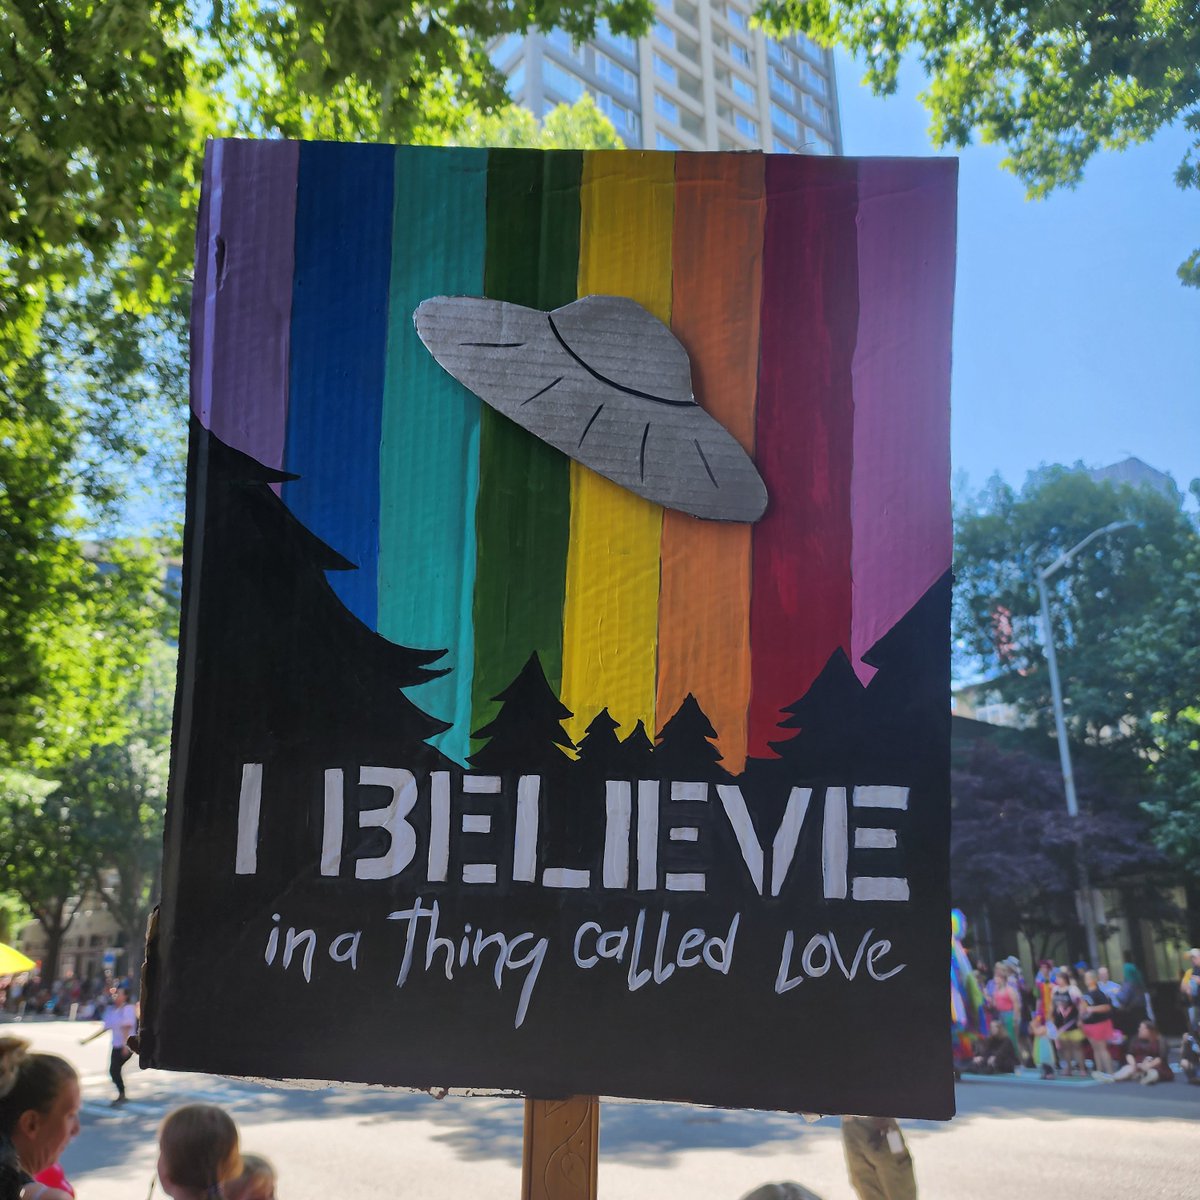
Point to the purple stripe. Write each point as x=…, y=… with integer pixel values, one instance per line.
x=247, y=263
x=900, y=493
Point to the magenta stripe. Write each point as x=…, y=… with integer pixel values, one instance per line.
x=900, y=490
x=247, y=300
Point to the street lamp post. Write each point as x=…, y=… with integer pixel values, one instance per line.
x=1060, y=725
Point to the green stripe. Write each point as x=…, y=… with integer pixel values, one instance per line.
x=523, y=517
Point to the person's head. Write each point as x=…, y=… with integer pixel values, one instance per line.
x=39, y=1103
x=1091, y=978
x=1147, y=1029
x=1102, y=974
x=1062, y=977
x=1194, y=956
x=120, y=995
x=256, y=1182
x=1000, y=972
x=197, y=1151
x=995, y=1028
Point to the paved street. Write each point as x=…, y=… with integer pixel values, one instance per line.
x=1019, y=1139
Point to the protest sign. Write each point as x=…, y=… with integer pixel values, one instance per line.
x=563, y=694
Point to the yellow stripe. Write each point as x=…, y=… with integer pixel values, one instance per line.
x=610, y=616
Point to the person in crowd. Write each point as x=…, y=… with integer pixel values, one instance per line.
x=256, y=1182
x=198, y=1152
x=1189, y=1058
x=1146, y=1061
x=1043, y=1045
x=1189, y=988
x=1109, y=986
x=877, y=1159
x=1097, y=1022
x=39, y=1115
x=997, y=1055
x=119, y=1020
x=1004, y=1001
x=1134, y=1001
x=1066, y=1012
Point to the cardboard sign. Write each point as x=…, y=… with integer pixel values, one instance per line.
x=495, y=765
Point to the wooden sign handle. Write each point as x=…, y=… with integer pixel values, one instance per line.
x=562, y=1149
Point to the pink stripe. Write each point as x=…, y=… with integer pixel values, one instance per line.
x=900, y=488
x=247, y=303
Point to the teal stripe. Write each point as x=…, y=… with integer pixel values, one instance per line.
x=429, y=451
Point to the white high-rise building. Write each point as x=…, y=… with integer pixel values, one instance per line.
x=701, y=79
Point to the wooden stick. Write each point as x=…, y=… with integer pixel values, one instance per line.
x=562, y=1144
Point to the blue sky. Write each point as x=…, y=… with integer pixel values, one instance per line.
x=1073, y=338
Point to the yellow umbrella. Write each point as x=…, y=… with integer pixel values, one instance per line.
x=13, y=962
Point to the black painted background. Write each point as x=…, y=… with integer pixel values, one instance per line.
x=274, y=669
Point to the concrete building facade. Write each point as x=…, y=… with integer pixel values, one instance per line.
x=702, y=79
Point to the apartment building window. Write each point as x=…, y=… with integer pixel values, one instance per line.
x=664, y=33
x=561, y=41
x=739, y=53
x=665, y=143
x=666, y=108
x=665, y=70
x=624, y=120
x=814, y=111
x=725, y=143
x=782, y=55
x=618, y=41
x=783, y=87
x=613, y=73
x=784, y=122
x=568, y=86
x=689, y=85
x=745, y=126
x=689, y=12
x=690, y=123
x=504, y=48
x=725, y=111
x=736, y=17
x=781, y=147
x=516, y=81
x=815, y=80
x=741, y=88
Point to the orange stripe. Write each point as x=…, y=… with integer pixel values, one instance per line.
x=704, y=602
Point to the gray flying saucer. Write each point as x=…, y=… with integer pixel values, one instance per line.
x=606, y=383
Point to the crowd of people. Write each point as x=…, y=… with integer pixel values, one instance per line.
x=200, y=1156
x=1069, y=1020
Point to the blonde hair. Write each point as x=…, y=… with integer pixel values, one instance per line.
x=257, y=1173
x=199, y=1144
x=28, y=1081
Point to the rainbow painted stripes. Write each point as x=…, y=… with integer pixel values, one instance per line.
x=814, y=297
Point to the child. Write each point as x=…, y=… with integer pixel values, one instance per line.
x=1043, y=1045
x=256, y=1182
x=197, y=1152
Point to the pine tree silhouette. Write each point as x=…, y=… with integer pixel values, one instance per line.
x=637, y=755
x=526, y=734
x=685, y=749
x=600, y=748
x=829, y=720
x=272, y=657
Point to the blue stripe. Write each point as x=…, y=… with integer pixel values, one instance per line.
x=338, y=355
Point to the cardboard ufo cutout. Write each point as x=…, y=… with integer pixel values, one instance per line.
x=606, y=383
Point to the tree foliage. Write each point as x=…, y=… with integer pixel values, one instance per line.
x=1013, y=845
x=1124, y=611
x=578, y=126
x=107, y=106
x=1053, y=82
x=41, y=856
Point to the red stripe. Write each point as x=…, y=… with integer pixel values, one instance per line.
x=800, y=598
